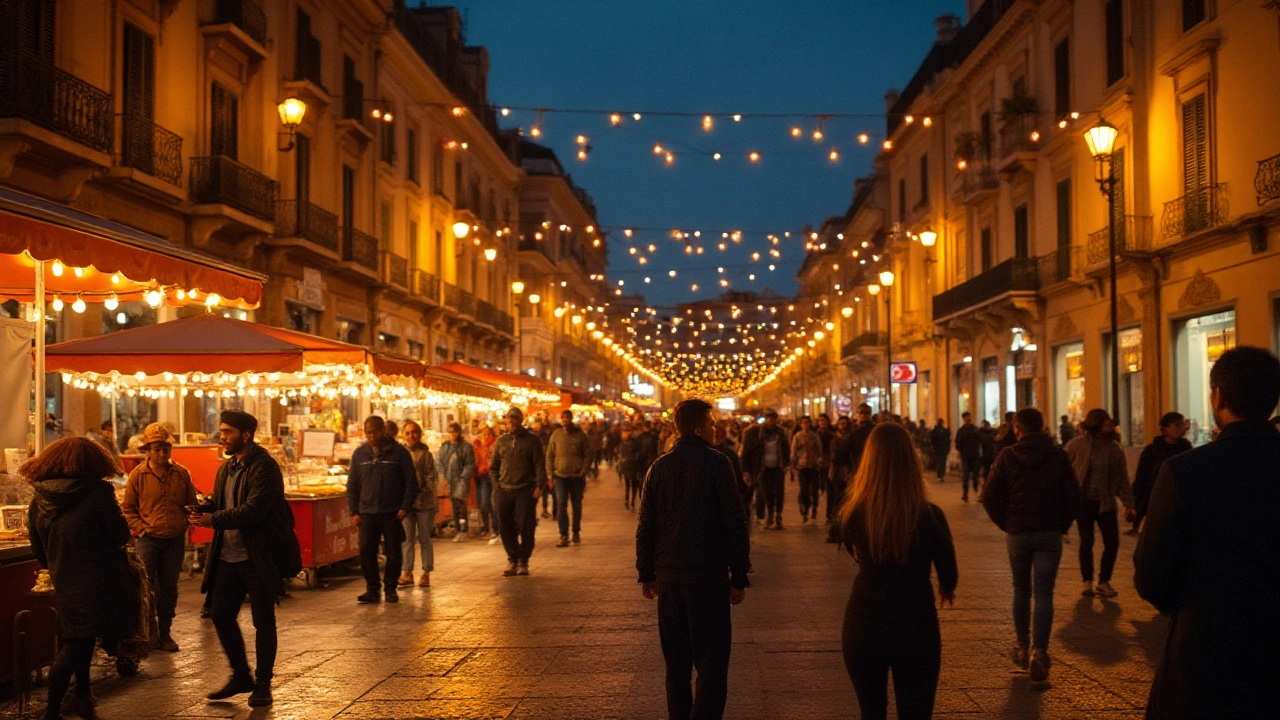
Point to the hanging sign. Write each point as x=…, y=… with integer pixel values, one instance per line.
x=902, y=373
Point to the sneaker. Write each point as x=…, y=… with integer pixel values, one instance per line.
x=564, y=541
x=1039, y=665
x=461, y=536
x=406, y=579
x=373, y=597
x=511, y=570
x=1020, y=657
x=524, y=568
x=495, y=540
x=165, y=643
x=425, y=580
x=577, y=539
x=1088, y=589
x=778, y=525
x=261, y=696
x=237, y=685
x=1104, y=589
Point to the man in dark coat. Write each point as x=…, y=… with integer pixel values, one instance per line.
x=1171, y=441
x=692, y=554
x=381, y=488
x=518, y=470
x=1207, y=555
x=766, y=452
x=253, y=550
x=940, y=438
x=969, y=446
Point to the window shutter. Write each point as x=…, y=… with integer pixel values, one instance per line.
x=1115, y=41
x=139, y=74
x=29, y=25
x=986, y=249
x=224, y=135
x=902, y=200
x=348, y=196
x=1193, y=13
x=303, y=168
x=1064, y=214
x=1195, y=163
x=1062, y=78
x=1020, y=239
x=924, y=178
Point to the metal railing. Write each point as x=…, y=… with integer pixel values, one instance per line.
x=299, y=218
x=395, y=269
x=486, y=314
x=1200, y=209
x=426, y=285
x=1059, y=265
x=452, y=297
x=360, y=248
x=244, y=14
x=505, y=323
x=36, y=90
x=150, y=148
x=219, y=179
x=541, y=246
x=1135, y=236
x=861, y=342
x=978, y=181
x=467, y=304
x=1015, y=136
x=1012, y=275
x=1267, y=181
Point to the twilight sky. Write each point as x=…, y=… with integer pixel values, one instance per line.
x=801, y=57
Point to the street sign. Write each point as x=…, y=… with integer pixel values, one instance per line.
x=902, y=373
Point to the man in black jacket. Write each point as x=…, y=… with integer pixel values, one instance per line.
x=518, y=470
x=253, y=550
x=969, y=445
x=692, y=553
x=1032, y=494
x=766, y=452
x=381, y=488
x=940, y=438
x=1207, y=555
x=1172, y=441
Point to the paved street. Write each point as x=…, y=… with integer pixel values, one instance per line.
x=576, y=640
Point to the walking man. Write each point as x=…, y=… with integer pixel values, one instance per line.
x=1207, y=559
x=253, y=550
x=1103, y=473
x=765, y=455
x=940, y=438
x=1032, y=495
x=1171, y=441
x=519, y=474
x=692, y=554
x=806, y=457
x=382, y=486
x=419, y=523
x=970, y=447
x=1066, y=430
x=568, y=457
x=154, y=504
x=456, y=461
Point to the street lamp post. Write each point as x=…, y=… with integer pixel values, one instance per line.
x=886, y=279
x=517, y=289
x=1102, y=141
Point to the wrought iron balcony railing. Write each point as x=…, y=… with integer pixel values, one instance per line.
x=244, y=14
x=1134, y=236
x=426, y=285
x=395, y=269
x=1200, y=209
x=452, y=297
x=299, y=218
x=486, y=314
x=861, y=342
x=506, y=323
x=360, y=248
x=1267, y=181
x=219, y=179
x=1015, y=136
x=977, y=182
x=150, y=148
x=36, y=90
x=467, y=304
x=1012, y=275
x=1059, y=265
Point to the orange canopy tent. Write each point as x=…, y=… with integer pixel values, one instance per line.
x=440, y=378
x=516, y=386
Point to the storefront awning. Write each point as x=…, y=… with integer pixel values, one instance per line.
x=441, y=379
x=93, y=258
x=513, y=384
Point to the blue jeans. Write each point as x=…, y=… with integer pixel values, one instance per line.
x=417, y=534
x=569, y=489
x=163, y=560
x=1033, y=558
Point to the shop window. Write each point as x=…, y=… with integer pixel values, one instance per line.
x=1199, y=342
x=416, y=350
x=388, y=343
x=302, y=318
x=991, y=390
x=1024, y=375
x=1131, y=415
x=350, y=331
x=1068, y=382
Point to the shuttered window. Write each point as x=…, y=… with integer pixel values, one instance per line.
x=924, y=179
x=1193, y=13
x=348, y=196
x=352, y=90
x=302, y=166
x=1064, y=214
x=1195, y=162
x=986, y=249
x=387, y=152
x=1021, y=238
x=411, y=154
x=1062, y=78
x=29, y=25
x=139, y=74
x=984, y=128
x=224, y=126
x=902, y=200
x=1114, y=13
x=1117, y=171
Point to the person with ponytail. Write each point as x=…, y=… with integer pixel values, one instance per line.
x=896, y=535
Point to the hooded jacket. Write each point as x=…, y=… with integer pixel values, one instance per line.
x=79, y=533
x=1032, y=488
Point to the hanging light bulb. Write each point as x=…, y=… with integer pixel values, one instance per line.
x=56, y=268
x=715, y=156
x=581, y=139
x=615, y=119
x=657, y=149
x=79, y=271
x=78, y=305
x=535, y=131
x=707, y=122
x=833, y=156
x=817, y=135
x=753, y=156
x=671, y=158
x=112, y=302
x=154, y=297
x=57, y=304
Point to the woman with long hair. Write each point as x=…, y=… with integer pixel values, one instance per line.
x=1103, y=473
x=895, y=534
x=78, y=532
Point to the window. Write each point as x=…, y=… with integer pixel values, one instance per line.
x=1193, y=13
x=1114, y=14
x=437, y=170
x=32, y=21
x=385, y=225
x=301, y=318
x=349, y=331
x=302, y=167
x=411, y=155
x=352, y=91
x=902, y=200
x=348, y=196
x=984, y=128
x=306, y=60
x=1021, y=241
x=224, y=122
x=1195, y=164
x=387, y=151
x=1064, y=214
x=457, y=180
x=1062, y=78
x=924, y=179
x=416, y=349
x=413, y=244
x=389, y=343
x=139, y=88
x=986, y=249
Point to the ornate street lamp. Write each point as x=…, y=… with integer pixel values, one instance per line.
x=460, y=229
x=1101, y=140
x=292, y=111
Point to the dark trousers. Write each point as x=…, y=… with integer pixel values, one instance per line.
x=911, y=648
x=940, y=462
x=1110, y=528
x=484, y=500
x=633, y=482
x=518, y=518
x=460, y=521
x=759, y=484
x=388, y=529
x=231, y=582
x=809, y=478
x=696, y=633
x=74, y=657
x=968, y=473
x=835, y=490
x=773, y=483
x=163, y=560
x=569, y=490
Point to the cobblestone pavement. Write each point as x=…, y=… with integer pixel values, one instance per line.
x=577, y=640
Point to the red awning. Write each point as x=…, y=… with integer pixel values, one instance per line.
x=500, y=378
x=441, y=379
x=112, y=258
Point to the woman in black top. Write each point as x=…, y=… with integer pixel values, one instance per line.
x=895, y=535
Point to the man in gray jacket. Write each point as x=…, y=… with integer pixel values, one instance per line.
x=381, y=488
x=568, y=453
x=518, y=470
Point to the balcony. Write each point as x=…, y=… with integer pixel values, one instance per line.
x=862, y=343
x=1060, y=265
x=426, y=286
x=1019, y=141
x=977, y=184
x=1011, y=276
x=151, y=149
x=505, y=323
x=1267, y=181
x=299, y=218
x=458, y=300
x=1135, y=236
x=538, y=246
x=240, y=24
x=223, y=181
x=395, y=270
x=35, y=90
x=360, y=248
x=1200, y=209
